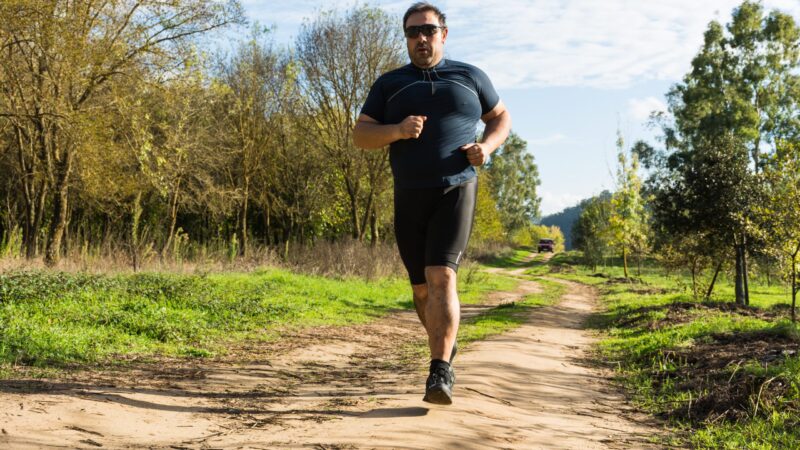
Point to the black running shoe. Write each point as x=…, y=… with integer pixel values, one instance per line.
x=439, y=387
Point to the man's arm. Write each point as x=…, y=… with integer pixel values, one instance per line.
x=498, y=125
x=370, y=134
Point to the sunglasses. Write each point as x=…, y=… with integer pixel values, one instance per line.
x=429, y=30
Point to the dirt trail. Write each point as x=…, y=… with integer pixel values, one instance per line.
x=344, y=388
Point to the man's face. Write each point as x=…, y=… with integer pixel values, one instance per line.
x=425, y=51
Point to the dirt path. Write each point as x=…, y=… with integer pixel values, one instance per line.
x=343, y=388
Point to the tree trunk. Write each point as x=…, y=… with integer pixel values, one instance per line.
x=267, y=229
x=137, y=215
x=352, y=193
x=794, y=287
x=368, y=211
x=373, y=223
x=694, y=278
x=713, y=281
x=794, y=281
x=60, y=205
x=28, y=180
x=243, y=222
x=745, y=276
x=625, y=261
x=173, y=220
x=639, y=265
x=739, y=283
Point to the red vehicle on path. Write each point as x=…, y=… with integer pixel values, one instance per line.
x=546, y=245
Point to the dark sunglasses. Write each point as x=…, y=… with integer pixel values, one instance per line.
x=429, y=30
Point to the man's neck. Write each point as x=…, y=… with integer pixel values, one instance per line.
x=431, y=66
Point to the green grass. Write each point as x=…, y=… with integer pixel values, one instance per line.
x=48, y=319
x=516, y=259
x=651, y=328
x=504, y=318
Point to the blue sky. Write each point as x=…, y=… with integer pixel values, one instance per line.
x=570, y=71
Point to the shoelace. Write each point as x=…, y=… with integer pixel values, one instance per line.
x=440, y=373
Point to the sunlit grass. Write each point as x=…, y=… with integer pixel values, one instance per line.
x=504, y=318
x=646, y=347
x=53, y=318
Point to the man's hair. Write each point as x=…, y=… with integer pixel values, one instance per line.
x=423, y=7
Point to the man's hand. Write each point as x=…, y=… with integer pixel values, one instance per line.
x=411, y=127
x=477, y=154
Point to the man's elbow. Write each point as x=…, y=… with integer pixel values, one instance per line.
x=505, y=119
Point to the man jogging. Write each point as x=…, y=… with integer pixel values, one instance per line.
x=427, y=111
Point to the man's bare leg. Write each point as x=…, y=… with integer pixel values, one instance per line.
x=420, y=301
x=442, y=311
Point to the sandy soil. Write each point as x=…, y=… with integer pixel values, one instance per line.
x=354, y=387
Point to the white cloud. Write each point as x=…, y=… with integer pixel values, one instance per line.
x=533, y=43
x=639, y=109
x=605, y=44
x=553, y=203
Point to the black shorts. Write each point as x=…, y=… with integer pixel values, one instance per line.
x=432, y=226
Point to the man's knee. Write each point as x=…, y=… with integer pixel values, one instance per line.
x=440, y=277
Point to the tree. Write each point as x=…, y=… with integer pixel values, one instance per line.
x=58, y=60
x=782, y=213
x=486, y=224
x=628, y=221
x=591, y=233
x=513, y=179
x=258, y=81
x=741, y=95
x=340, y=57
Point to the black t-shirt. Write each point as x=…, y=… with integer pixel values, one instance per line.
x=453, y=95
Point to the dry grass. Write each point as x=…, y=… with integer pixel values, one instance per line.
x=348, y=258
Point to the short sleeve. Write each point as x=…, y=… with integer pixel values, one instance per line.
x=486, y=93
x=375, y=103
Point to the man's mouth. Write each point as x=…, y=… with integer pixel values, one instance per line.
x=423, y=50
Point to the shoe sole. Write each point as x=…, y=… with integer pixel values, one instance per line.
x=439, y=395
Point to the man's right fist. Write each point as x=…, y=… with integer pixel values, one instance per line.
x=411, y=126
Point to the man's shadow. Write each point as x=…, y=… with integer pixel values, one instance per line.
x=385, y=413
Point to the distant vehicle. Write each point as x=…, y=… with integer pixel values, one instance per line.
x=546, y=245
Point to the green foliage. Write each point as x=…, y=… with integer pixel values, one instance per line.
x=565, y=220
x=781, y=212
x=628, y=222
x=514, y=177
x=11, y=243
x=591, y=233
x=530, y=236
x=727, y=116
x=486, y=224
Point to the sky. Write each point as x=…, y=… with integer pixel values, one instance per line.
x=571, y=72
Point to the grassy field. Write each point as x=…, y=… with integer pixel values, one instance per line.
x=725, y=376
x=51, y=319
